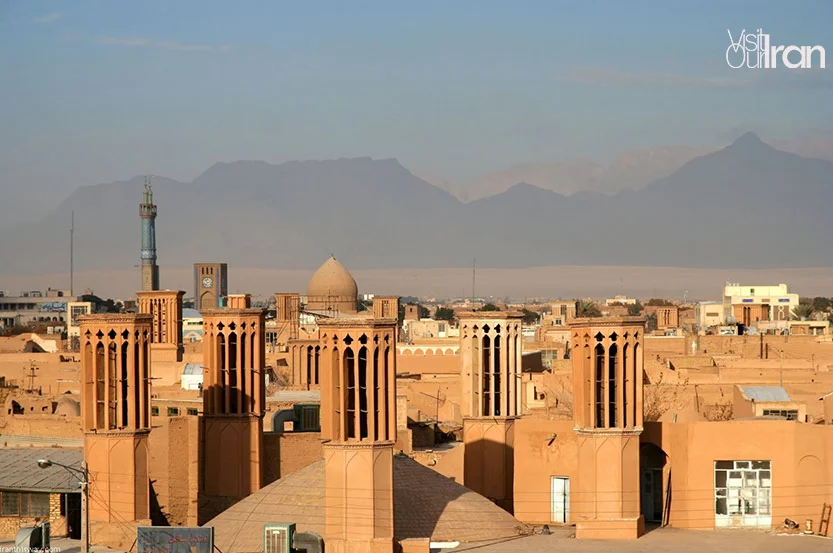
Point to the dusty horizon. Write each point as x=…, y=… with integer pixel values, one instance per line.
x=558, y=281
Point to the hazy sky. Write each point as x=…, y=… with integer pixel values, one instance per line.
x=101, y=91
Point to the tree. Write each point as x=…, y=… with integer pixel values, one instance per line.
x=803, y=310
x=651, y=322
x=444, y=314
x=490, y=307
x=821, y=304
x=103, y=306
x=659, y=302
x=635, y=309
x=530, y=317
x=424, y=313
x=588, y=308
x=661, y=396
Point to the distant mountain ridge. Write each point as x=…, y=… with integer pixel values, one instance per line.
x=746, y=206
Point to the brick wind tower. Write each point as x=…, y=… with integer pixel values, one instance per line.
x=147, y=211
x=234, y=403
x=491, y=347
x=358, y=424
x=607, y=360
x=115, y=417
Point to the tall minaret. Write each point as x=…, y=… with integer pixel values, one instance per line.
x=147, y=211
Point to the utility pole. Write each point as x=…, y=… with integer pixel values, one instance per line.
x=85, y=496
x=85, y=510
x=781, y=368
x=71, y=253
x=473, y=272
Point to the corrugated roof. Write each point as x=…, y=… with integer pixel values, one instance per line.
x=19, y=470
x=766, y=393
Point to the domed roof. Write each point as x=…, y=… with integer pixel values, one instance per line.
x=447, y=510
x=332, y=279
x=68, y=406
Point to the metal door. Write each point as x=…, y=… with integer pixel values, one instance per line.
x=560, y=499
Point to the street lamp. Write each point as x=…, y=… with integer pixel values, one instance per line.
x=85, y=490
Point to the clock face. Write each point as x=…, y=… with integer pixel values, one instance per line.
x=207, y=282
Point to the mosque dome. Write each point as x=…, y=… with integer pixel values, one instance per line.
x=332, y=279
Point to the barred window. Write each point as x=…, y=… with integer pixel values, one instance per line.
x=38, y=504
x=16, y=504
x=10, y=504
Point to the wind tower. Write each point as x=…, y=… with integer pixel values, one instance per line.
x=358, y=424
x=607, y=359
x=491, y=348
x=115, y=418
x=147, y=211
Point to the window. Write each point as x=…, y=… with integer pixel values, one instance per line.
x=173, y=411
x=16, y=504
x=193, y=412
x=789, y=414
x=38, y=504
x=743, y=492
x=10, y=504
x=154, y=411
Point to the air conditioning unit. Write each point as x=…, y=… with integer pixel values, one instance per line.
x=308, y=417
x=277, y=537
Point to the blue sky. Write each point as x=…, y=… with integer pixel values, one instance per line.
x=102, y=91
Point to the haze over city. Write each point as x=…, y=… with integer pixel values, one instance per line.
x=387, y=277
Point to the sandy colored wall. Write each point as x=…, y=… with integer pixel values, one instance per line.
x=537, y=461
x=174, y=465
x=15, y=367
x=53, y=426
x=801, y=456
x=286, y=452
x=422, y=396
x=428, y=360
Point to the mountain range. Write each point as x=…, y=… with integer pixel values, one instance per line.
x=747, y=205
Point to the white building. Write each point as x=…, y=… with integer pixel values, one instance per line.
x=708, y=314
x=752, y=304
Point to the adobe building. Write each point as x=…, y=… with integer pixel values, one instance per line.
x=667, y=317
x=412, y=312
x=115, y=416
x=491, y=347
x=234, y=398
x=165, y=306
x=358, y=424
x=386, y=307
x=210, y=285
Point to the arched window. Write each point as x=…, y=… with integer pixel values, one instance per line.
x=232, y=383
x=362, y=377
x=612, y=390
x=487, y=376
x=350, y=403
x=496, y=374
x=125, y=356
x=600, y=388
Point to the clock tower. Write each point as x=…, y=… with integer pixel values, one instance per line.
x=210, y=285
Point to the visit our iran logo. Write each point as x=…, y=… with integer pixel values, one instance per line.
x=755, y=51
